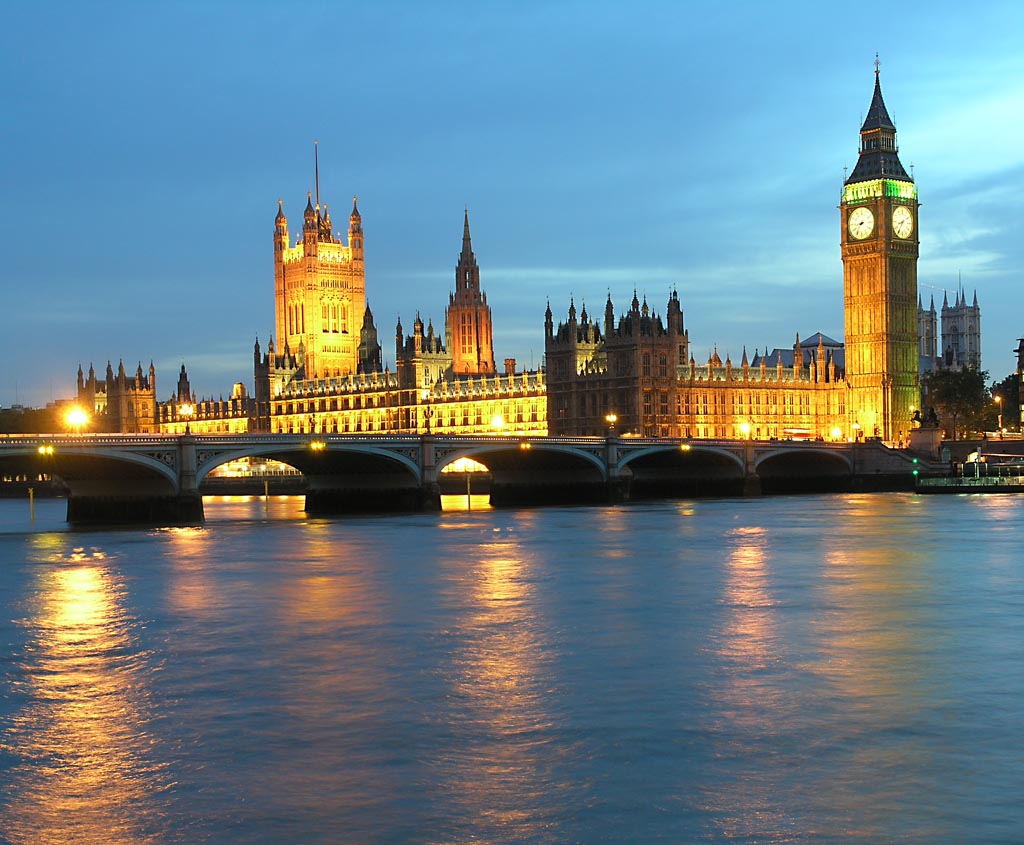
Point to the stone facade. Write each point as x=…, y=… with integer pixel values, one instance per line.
x=119, y=402
x=961, y=334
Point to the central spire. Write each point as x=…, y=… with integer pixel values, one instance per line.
x=467, y=244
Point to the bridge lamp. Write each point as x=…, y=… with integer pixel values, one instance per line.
x=498, y=423
x=525, y=446
x=76, y=419
x=45, y=449
x=187, y=411
x=745, y=430
x=684, y=447
x=999, y=405
x=837, y=433
x=317, y=445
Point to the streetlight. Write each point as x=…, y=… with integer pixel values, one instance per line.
x=999, y=405
x=745, y=430
x=611, y=419
x=77, y=419
x=187, y=411
x=498, y=423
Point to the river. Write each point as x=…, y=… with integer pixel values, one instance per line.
x=785, y=669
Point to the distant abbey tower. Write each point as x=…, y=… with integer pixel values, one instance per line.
x=468, y=317
x=320, y=291
x=878, y=216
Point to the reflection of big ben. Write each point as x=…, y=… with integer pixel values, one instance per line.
x=880, y=246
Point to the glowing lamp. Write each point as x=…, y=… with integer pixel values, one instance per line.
x=76, y=418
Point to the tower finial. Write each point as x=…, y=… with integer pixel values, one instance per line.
x=316, y=171
x=878, y=64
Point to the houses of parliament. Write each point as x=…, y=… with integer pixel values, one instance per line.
x=631, y=372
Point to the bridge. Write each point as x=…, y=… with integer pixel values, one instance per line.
x=155, y=479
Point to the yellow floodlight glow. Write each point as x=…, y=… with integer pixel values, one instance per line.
x=45, y=449
x=76, y=418
x=684, y=447
x=317, y=445
x=497, y=422
x=187, y=411
x=525, y=446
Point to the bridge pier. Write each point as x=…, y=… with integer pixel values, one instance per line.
x=751, y=480
x=163, y=510
x=332, y=501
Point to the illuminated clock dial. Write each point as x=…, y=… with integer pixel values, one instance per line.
x=861, y=223
x=902, y=221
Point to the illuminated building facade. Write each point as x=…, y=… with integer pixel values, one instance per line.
x=878, y=216
x=638, y=376
x=320, y=291
x=446, y=383
x=468, y=318
x=235, y=415
x=119, y=403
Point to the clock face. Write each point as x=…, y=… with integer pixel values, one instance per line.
x=862, y=222
x=902, y=221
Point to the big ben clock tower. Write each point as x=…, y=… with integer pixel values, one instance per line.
x=880, y=246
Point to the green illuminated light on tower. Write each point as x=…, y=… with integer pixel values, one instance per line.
x=864, y=191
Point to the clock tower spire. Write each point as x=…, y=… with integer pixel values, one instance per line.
x=878, y=216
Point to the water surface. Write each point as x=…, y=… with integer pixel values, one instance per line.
x=791, y=669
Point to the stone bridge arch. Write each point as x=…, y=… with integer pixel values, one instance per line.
x=81, y=465
x=535, y=472
x=804, y=470
x=682, y=469
x=335, y=458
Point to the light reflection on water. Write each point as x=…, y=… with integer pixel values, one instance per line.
x=805, y=669
x=82, y=771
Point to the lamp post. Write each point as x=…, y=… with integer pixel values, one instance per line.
x=187, y=411
x=611, y=419
x=999, y=405
x=745, y=430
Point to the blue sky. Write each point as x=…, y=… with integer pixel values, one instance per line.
x=598, y=146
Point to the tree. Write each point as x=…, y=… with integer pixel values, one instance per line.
x=958, y=395
x=1008, y=390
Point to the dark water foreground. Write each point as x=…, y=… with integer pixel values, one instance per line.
x=801, y=669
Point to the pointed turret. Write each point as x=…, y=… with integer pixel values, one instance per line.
x=326, y=232
x=355, y=232
x=878, y=151
x=369, y=347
